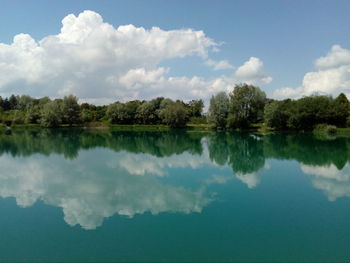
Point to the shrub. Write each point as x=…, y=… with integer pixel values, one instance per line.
x=325, y=129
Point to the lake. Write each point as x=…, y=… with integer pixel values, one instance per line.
x=75, y=195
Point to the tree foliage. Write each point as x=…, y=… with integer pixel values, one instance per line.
x=307, y=112
x=246, y=106
x=51, y=114
x=148, y=111
x=277, y=114
x=70, y=110
x=175, y=115
x=195, y=108
x=341, y=110
x=218, y=111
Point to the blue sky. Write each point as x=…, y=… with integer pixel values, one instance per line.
x=288, y=37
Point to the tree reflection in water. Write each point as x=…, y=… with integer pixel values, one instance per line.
x=93, y=174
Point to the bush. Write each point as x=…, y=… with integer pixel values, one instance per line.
x=175, y=115
x=325, y=129
x=348, y=122
x=198, y=120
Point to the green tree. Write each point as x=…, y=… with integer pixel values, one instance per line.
x=24, y=102
x=195, y=108
x=131, y=111
x=42, y=101
x=13, y=101
x=6, y=104
x=101, y=112
x=51, y=114
x=218, y=111
x=117, y=113
x=33, y=114
x=88, y=115
x=70, y=110
x=175, y=115
x=162, y=108
x=1, y=103
x=277, y=114
x=341, y=110
x=18, y=117
x=148, y=111
x=309, y=111
x=246, y=106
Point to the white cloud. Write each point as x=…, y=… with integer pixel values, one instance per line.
x=337, y=57
x=251, y=72
x=287, y=92
x=330, y=81
x=98, y=62
x=332, y=76
x=219, y=65
x=139, y=82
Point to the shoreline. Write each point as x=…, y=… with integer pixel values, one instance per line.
x=257, y=128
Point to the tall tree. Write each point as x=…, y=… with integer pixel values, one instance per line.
x=195, y=108
x=13, y=101
x=51, y=114
x=33, y=114
x=247, y=104
x=117, y=113
x=175, y=115
x=24, y=102
x=1, y=104
x=6, y=104
x=148, y=111
x=277, y=114
x=218, y=111
x=341, y=110
x=71, y=110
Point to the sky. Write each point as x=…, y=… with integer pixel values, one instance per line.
x=103, y=51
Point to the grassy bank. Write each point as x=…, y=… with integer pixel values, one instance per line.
x=343, y=131
x=106, y=125
x=260, y=127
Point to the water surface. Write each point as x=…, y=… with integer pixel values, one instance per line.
x=106, y=196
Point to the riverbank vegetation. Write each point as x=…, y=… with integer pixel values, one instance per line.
x=19, y=110
x=246, y=107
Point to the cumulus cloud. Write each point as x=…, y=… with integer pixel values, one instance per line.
x=139, y=82
x=219, y=65
x=100, y=63
x=337, y=57
x=251, y=72
x=287, y=92
x=332, y=76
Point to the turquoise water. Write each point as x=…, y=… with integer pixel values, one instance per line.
x=108, y=196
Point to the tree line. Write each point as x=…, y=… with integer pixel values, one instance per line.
x=245, y=106
x=67, y=111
